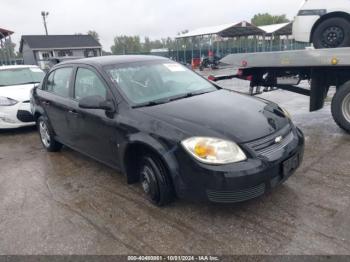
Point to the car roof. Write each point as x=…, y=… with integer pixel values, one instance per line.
x=114, y=59
x=17, y=67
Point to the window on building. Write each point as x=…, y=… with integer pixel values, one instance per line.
x=65, y=53
x=45, y=55
x=90, y=52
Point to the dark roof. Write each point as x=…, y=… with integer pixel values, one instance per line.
x=5, y=33
x=59, y=41
x=115, y=59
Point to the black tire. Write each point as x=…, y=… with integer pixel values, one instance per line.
x=155, y=181
x=46, y=136
x=341, y=107
x=332, y=33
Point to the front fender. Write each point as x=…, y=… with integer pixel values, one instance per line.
x=162, y=149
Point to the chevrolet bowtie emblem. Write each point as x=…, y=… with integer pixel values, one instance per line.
x=278, y=139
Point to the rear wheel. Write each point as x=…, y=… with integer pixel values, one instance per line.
x=155, y=180
x=341, y=107
x=332, y=33
x=46, y=136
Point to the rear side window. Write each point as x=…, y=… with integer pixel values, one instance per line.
x=88, y=83
x=58, y=81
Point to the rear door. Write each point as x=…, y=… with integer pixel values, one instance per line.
x=55, y=100
x=94, y=131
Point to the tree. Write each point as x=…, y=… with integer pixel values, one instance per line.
x=94, y=34
x=132, y=44
x=7, y=50
x=156, y=44
x=268, y=19
x=147, y=45
x=126, y=45
x=169, y=43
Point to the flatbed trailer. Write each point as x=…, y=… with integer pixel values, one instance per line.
x=285, y=70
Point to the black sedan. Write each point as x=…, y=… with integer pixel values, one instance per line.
x=168, y=128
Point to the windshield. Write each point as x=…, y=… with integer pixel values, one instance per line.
x=150, y=82
x=20, y=76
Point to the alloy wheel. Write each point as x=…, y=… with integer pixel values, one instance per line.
x=44, y=134
x=346, y=108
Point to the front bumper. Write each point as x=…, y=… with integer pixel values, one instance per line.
x=236, y=182
x=18, y=115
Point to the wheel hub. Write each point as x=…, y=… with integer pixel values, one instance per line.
x=333, y=37
x=44, y=133
x=147, y=182
x=146, y=186
x=346, y=108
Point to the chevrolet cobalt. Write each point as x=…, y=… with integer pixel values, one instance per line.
x=167, y=128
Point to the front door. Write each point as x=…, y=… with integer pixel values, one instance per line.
x=94, y=131
x=55, y=99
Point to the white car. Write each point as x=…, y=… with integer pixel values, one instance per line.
x=324, y=23
x=16, y=83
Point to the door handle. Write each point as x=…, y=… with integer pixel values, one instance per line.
x=47, y=103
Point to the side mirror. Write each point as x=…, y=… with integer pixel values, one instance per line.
x=96, y=102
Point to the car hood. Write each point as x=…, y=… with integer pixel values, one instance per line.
x=223, y=113
x=18, y=92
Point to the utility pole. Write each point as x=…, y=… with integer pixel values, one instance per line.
x=44, y=14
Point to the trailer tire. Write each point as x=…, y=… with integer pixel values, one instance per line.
x=332, y=33
x=341, y=107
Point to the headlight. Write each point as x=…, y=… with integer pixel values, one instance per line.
x=4, y=101
x=286, y=113
x=214, y=150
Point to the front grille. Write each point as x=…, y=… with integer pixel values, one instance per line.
x=25, y=116
x=236, y=196
x=268, y=147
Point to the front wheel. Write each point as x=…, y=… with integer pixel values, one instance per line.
x=155, y=180
x=46, y=136
x=341, y=107
x=332, y=33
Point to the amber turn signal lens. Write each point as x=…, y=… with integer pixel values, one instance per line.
x=334, y=61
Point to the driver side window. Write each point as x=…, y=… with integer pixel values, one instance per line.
x=87, y=83
x=59, y=80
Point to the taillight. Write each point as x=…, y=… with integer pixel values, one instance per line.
x=249, y=78
x=211, y=78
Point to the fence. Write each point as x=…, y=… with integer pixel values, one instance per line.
x=223, y=49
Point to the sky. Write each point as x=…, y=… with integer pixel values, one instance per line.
x=153, y=18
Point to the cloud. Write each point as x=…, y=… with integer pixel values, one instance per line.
x=154, y=18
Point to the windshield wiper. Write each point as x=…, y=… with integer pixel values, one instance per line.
x=30, y=82
x=190, y=94
x=164, y=101
x=25, y=83
x=152, y=103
